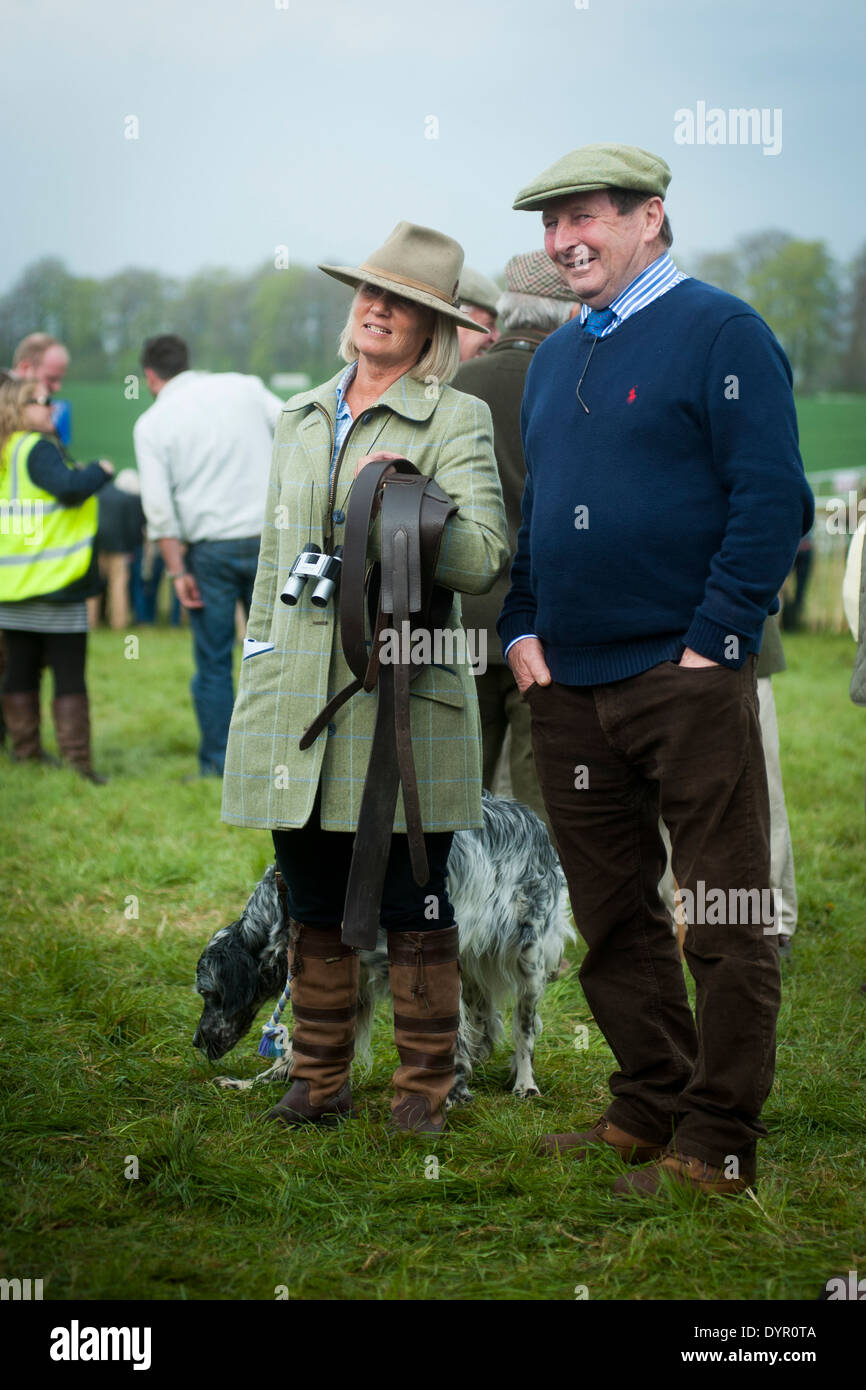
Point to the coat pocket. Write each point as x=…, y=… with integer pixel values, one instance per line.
x=440, y=683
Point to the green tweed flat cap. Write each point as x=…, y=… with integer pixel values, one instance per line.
x=597, y=166
x=475, y=288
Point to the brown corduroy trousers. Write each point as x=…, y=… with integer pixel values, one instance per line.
x=686, y=743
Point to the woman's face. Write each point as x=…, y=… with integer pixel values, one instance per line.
x=36, y=412
x=390, y=331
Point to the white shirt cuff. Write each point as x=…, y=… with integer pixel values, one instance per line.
x=521, y=638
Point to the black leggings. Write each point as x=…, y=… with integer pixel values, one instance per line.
x=315, y=865
x=28, y=652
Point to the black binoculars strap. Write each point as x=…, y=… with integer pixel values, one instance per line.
x=401, y=594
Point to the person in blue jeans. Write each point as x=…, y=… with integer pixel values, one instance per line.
x=222, y=572
x=204, y=452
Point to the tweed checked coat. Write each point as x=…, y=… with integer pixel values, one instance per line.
x=268, y=781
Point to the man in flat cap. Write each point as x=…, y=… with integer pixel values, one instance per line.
x=664, y=502
x=477, y=297
x=536, y=302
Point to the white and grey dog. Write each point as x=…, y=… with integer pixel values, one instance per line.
x=510, y=903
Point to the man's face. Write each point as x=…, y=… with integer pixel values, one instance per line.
x=52, y=369
x=473, y=344
x=597, y=251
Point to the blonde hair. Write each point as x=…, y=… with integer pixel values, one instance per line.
x=13, y=394
x=439, y=360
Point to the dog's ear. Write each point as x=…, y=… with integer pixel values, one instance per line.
x=239, y=978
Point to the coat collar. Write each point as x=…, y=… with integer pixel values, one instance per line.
x=406, y=397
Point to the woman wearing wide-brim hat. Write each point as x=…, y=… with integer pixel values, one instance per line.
x=400, y=341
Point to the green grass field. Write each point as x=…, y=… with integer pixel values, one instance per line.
x=111, y=893
x=102, y=419
x=832, y=432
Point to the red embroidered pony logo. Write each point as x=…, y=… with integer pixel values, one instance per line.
x=632, y=394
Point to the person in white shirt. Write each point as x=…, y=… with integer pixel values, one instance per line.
x=204, y=452
x=851, y=581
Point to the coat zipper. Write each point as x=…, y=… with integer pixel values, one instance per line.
x=332, y=487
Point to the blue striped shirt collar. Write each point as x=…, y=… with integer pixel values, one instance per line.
x=652, y=282
x=342, y=415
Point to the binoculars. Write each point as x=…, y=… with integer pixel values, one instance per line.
x=312, y=564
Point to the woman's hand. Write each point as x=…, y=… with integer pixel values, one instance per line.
x=107, y=466
x=374, y=458
x=379, y=455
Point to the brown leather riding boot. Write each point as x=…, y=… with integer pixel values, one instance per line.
x=581, y=1144
x=425, y=985
x=72, y=724
x=21, y=712
x=324, y=986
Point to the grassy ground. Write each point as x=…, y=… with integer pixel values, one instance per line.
x=110, y=894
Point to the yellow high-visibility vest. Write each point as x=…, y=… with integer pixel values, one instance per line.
x=44, y=546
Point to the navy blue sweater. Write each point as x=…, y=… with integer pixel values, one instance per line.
x=669, y=516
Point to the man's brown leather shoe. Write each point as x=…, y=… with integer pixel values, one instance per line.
x=579, y=1145
x=682, y=1171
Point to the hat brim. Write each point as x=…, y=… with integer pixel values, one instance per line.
x=354, y=276
x=535, y=202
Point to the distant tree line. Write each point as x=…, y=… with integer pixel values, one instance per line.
x=288, y=320
x=268, y=321
x=816, y=308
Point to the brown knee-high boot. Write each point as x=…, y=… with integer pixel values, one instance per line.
x=21, y=711
x=425, y=985
x=72, y=725
x=324, y=987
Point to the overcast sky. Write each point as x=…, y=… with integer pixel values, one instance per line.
x=306, y=125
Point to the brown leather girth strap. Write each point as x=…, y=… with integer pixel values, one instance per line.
x=282, y=896
x=399, y=593
x=375, y=826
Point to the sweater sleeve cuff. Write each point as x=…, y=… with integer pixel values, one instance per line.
x=516, y=624
x=717, y=643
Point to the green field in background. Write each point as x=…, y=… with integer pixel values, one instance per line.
x=832, y=429
x=832, y=432
x=102, y=420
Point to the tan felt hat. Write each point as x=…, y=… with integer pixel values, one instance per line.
x=597, y=166
x=475, y=288
x=416, y=263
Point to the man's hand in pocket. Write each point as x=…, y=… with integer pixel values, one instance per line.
x=526, y=659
